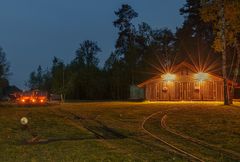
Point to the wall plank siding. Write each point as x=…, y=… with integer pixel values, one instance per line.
x=184, y=87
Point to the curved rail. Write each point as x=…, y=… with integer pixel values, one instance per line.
x=199, y=142
x=165, y=142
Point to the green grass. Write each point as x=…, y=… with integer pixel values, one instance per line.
x=73, y=131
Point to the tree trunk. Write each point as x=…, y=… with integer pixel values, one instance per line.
x=224, y=57
x=225, y=87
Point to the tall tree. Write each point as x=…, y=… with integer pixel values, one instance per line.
x=225, y=18
x=125, y=44
x=164, y=41
x=36, y=79
x=39, y=76
x=4, y=72
x=126, y=29
x=87, y=52
x=57, y=73
x=156, y=49
x=195, y=37
x=144, y=35
x=83, y=80
x=116, y=82
x=4, y=65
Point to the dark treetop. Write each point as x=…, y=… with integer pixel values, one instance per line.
x=32, y=32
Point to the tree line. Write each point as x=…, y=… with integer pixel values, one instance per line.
x=138, y=51
x=142, y=52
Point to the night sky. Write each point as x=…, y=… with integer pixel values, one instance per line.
x=33, y=31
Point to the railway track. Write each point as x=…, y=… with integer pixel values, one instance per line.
x=77, y=119
x=232, y=154
x=65, y=114
x=227, y=152
x=190, y=156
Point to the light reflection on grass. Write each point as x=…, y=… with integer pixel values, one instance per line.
x=210, y=121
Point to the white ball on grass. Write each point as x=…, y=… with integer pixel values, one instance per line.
x=24, y=120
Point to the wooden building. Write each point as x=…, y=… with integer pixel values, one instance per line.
x=185, y=83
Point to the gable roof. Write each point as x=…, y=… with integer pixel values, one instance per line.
x=176, y=68
x=184, y=64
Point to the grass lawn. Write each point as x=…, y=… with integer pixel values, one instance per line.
x=111, y=131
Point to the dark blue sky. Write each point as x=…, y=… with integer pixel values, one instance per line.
x=33, y=31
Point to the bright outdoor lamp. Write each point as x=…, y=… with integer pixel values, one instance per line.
x=168, y=77
x=201, y=76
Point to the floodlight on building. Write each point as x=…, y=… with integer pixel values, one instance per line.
x=201, y=76
x=168, y=77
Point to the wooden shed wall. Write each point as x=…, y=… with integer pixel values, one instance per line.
x=208, y=90
x=184, y=87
